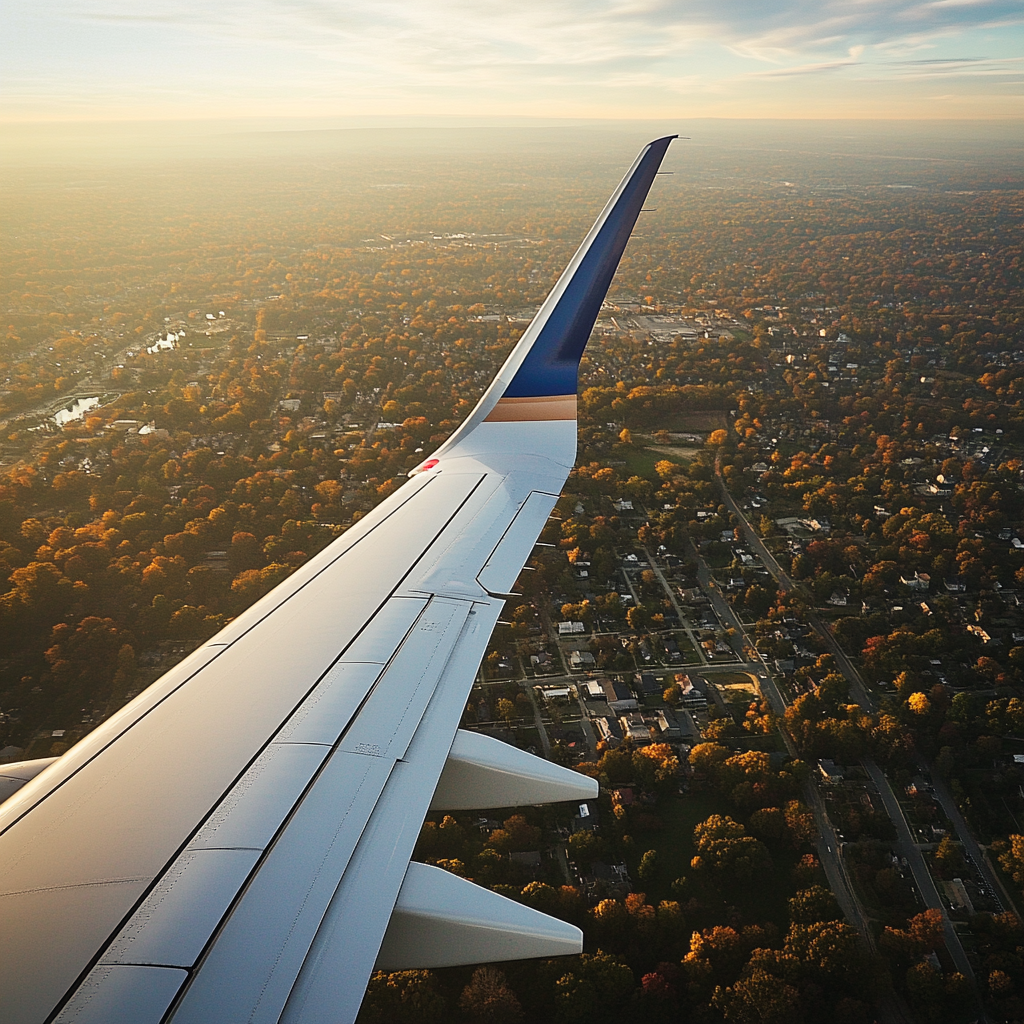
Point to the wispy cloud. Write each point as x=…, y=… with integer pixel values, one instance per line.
x=465, y=53
x=805, y=69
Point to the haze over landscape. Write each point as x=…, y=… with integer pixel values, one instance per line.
x=259, y=261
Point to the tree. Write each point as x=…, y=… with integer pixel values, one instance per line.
x=648, y=866
x=487, y=999
x=919, y=704
x=656, y=764
x=924, y=983
x=586, y=847
x=637, y=617
x=708, y=758
x=507, y=711
x=594, y=990
x=926, y=930
x=724, y=847
x=39, y=593
x=408, y=996
x=610, y=919
x=833, y=953
x=716, y=954
x=759, y=998
x=617, y=765
x=768, y=823
x=446, y=838
x=1011, y=860
x=542, y=897
x=515, y=835
x=252, y=584
x=948, y=858
x=124, y=674
x=814, y=904
x=85, y=658
x=244, y=553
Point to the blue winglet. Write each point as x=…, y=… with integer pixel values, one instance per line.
x=551, y=366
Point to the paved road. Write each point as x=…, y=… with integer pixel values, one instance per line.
x=830, y=853
x=781, y=576
x=858, y=689
x=925, y=884
x=922, y=877
x=687, y=625
x=742, y=642
x=829, y=848
x=723, y=609
x=971, y=846
x=539, y=722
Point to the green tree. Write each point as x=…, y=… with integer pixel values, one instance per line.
x=648, y=866
x=586, y=847
x=594, y=990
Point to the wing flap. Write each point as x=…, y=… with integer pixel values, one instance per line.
x=248, y=970
x=507, y=559
x=124, y=995
x=177, y=918
x=256, y=956
x=386, y=723
x=332, y=980
x=441, y=920
x=250, y=815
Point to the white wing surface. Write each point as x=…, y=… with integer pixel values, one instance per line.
x=234, y=845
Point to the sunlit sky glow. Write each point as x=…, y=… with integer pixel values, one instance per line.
x=86, y=59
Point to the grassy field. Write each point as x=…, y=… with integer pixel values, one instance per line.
x=695, y=421
x=208, y=340
x=641, y=461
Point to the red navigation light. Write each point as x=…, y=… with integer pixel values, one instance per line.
x=429, y=464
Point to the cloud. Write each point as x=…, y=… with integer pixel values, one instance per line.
x=476, y=52
x=569, y=32
x=805, y=69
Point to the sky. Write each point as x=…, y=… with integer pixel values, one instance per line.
x=67, y=60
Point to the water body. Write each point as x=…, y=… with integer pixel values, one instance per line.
x=75, y=411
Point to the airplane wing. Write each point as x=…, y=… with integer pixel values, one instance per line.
x=234, y=844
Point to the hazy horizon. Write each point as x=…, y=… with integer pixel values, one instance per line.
x=781, y=147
